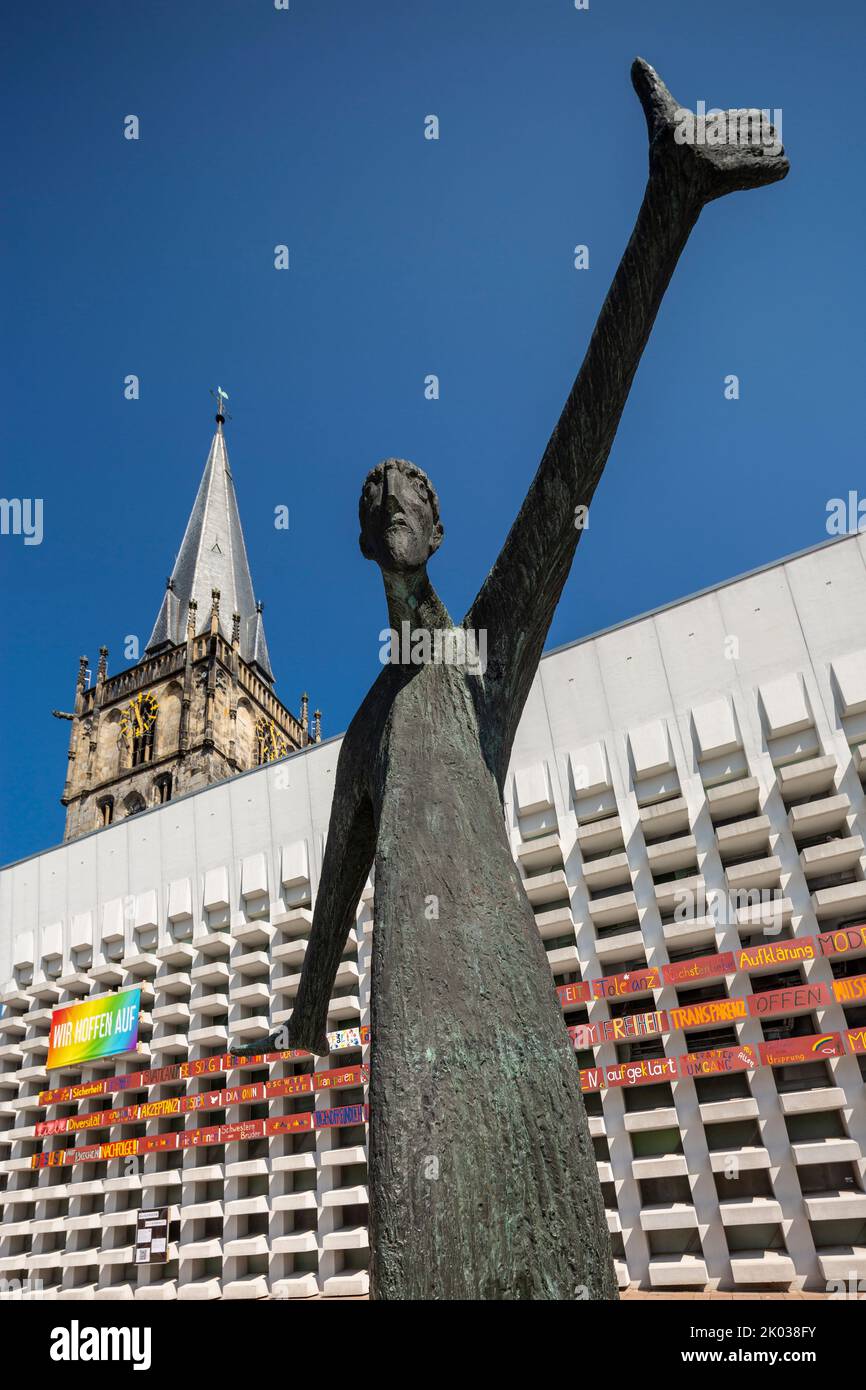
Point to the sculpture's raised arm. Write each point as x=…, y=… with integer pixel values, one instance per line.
x=517, y=600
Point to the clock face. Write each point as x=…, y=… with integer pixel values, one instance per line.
x=139, y=715
x=271, y=740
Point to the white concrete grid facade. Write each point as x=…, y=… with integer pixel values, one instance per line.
x=716, y=744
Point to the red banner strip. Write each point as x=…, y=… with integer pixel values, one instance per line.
x=771, y=1003
x=836, y=943
x=826, y=944
x=182, y=1071
x=785, y=1051
x=850, y=990
x=814, y=1048
x=209, y=1100
x=204, y=1137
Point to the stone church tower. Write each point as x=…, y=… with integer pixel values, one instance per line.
x=200, y=705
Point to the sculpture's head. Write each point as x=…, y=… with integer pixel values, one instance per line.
x=399, y=515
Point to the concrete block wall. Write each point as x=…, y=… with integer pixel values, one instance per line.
x=714, y=746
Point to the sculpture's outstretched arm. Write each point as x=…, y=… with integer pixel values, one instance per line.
x=349, y=853
x=517, y=601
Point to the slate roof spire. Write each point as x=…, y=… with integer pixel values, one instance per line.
x=212, y=556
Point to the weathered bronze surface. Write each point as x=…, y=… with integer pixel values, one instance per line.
x=483, y=1182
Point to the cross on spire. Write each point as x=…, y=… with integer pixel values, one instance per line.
x=220, y=396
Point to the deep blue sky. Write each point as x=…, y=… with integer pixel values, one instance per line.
x=408, y=257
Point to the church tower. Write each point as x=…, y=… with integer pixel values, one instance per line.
x=200, y=705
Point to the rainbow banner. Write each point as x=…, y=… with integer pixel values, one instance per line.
x=96, y=1028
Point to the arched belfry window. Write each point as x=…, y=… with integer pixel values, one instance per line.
x=142, y=745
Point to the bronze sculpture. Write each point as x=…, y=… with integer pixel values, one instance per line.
x=483, y=1182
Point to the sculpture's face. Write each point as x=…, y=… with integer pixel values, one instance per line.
x=400, y=528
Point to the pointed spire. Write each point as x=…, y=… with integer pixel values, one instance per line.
x=166, y=619
x=258, y=647
x=213, y=556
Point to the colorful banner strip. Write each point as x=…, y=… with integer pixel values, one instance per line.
x=773, y=953
x=200, y=1138
x=82, y=1033
x=338, y=1079
x=768, y=1004
x=205, y=1066
x=850, y=990
x=771, y=1003
x=784, y=1052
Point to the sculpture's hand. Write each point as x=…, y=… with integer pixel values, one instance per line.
x=301, y=1032
x=290, y=1035
x=737, y=149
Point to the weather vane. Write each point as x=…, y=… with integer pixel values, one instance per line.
x=221, y=396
